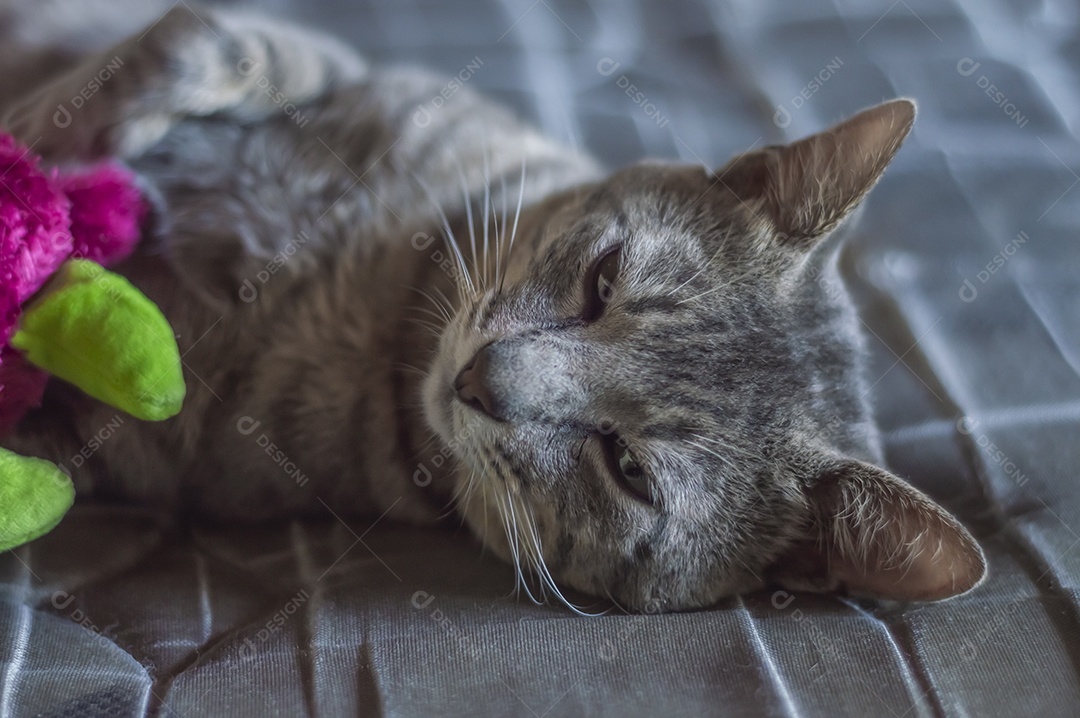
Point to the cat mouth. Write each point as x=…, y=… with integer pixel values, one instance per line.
x=438, y=401
x=448, y=410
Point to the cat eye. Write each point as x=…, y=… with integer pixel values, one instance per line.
x=600, y=284
x=626, y=469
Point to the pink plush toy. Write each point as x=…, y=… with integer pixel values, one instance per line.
x=46, y=219
x=61, y=312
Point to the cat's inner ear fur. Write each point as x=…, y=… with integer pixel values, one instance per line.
x=871, y=534
x=805, y=189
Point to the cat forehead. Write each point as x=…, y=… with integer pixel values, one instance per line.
x=663, y=214
x=654, y=180
x=652, y=193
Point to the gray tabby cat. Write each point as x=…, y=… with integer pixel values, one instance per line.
x=645, y=385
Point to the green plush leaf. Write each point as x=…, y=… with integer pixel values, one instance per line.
x=34, y=496
x=91, y=327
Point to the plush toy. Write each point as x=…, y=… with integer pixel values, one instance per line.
x=62, y=313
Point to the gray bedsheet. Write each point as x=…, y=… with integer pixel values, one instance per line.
x=967, y=268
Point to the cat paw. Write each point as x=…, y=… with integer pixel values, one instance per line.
x=117, y=103
x=58, y=124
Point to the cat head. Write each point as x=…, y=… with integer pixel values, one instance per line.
x=660, y=400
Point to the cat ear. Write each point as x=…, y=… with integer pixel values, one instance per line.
x=806, y=188
x=874, y=535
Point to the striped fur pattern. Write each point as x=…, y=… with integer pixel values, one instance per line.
x=330, y=262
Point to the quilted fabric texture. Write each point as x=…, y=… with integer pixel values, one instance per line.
x=966, y=268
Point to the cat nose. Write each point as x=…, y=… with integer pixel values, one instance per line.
x=471, y=385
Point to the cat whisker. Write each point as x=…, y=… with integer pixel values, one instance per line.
x=517, y=215
x=522, y=548
x=427, y=444
x=487, y=201
x=446, y=300
x=468, y=210
x=507, y=521
x=696, y=274
x=495, y=222
x=425, y=310
x=539, y=565
x=410, y=367
x=460, y=497
x=526, y=547
x=458, y=492
x=533, y=553
x=431, y=328
x=607, y=592
x=451, y=243
x=514, y=539
x=499, y=244
x=718, y=287
x=469, y=489
x=731, y=450
x=723, y=459
x=731, y=466
x=703, y=294
x=443, y=304
x=434, y=332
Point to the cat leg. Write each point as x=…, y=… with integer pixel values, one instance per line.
x=191, y=62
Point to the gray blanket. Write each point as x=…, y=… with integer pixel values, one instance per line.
x=967, y=267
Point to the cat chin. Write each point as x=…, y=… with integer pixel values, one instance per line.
x=438, y=405
x=443, y=412
x=457, y=426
